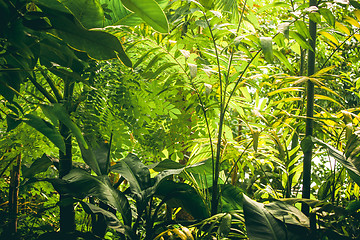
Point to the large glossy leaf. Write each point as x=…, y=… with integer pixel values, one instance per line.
x=114, y=12
x=150, y=12
x=111, y=220
x=47, y=129
x=287, y=213
x=158, y=179
x=58, y=111
x=132, y=19
x=165, y=165
x=138, y=176
x=232, y=198
x=98, y=44
x=135, y=172
x=88, y=12
x=183, y=195
x=81, y=184
x=54, y=52
x=260, y=224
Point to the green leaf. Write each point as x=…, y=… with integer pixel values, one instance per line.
x=47, y=129
x=99, y=45
x=260, y=224
x=114, y=11
x=273, y=5
x=97, y=157
x=150, y=12
x=58, y=111
x=350, y=160
x=81, y=184
x=88, y=12
x=184, y=196
x=135, y=172
x=329, y=17
x=355, y=4
x=288, y=214
x=300, y=40
x=266, y=45
x=232, y=197
x=12, y=122
x=302, y=29
x=165, y=165
x=39, y=165
x=111, y=220
x=225, y=225
x=284, y=29
x=284, y=60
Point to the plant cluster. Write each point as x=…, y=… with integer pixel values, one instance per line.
x=179, y=119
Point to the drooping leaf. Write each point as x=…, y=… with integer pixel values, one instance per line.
x=284, y=29
x=183, y=195
x=300, y=40
x=58, y=111
x=329, y=37
x=260, y=224
x=284, y=60
x=47, y=129
x=302, y=29
x=39, y=165
x=266, y=45
x=81, y=184
x=135, y=172
x=111, y=220
x=329, y=17
x=287, y=214
x=164, y=165
x=12, y=121
x=97, y=157
x=88, y=12
x=350, y=160
x=98, y=44
x=232, y=198
x=150, y=11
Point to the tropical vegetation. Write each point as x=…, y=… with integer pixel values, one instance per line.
x=179, y=119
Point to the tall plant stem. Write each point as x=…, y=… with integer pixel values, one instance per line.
x=14, y=195
x=309, y=113
x=216, y=161
x=67, y=214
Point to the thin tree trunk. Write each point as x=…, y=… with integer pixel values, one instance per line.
x=67, y=214
x=309, y=113
x=13, y=196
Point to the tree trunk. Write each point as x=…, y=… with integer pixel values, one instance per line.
x=309, y=113
x=67, y=214
x=13, y=196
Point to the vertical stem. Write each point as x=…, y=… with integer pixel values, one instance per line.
x=67, y=213
x=309, y=113
x=294, y=144
x=13, y=196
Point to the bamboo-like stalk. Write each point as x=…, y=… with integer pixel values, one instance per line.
x=14, y=195
x=67, y=214
x=309, y=113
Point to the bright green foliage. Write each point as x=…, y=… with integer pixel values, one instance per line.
x=205, y=107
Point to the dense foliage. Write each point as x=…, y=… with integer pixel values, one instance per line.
x=179, y=119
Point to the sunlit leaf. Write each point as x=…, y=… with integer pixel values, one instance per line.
x=150, y=11
x=266, y=45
